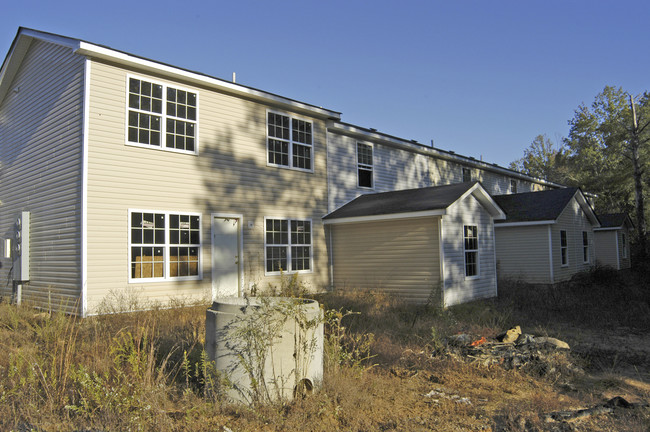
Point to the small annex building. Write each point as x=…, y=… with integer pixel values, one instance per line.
x=547, y=237
x=426, y=244
x=612, y=240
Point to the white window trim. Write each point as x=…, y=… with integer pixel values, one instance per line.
x=477, y=250
x=513, y=186
x=586, y=248
x=163, y=117
x=566, y=236
x=290, y=141
x=311, y=246
x=166, y=247
x=367, y=167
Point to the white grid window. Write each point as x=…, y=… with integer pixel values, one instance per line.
x=564, y=248
x=364, y=165
x=157, y=111
x=164, y=245
x=624, y=244
x=585, y=247
x=288, y=245
x=470, y=240
x=513, y=186
x=290, y=142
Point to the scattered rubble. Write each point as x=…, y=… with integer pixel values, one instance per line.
x=512, y=349
x=439, y=393
x=608, y=407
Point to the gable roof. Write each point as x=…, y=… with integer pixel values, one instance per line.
x=411, y=203
x=614, y=220
x=25, y=36
x=543, y=206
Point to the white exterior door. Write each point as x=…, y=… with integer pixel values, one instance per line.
x=226, y=253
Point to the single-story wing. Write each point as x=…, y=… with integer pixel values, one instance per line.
x=613, y=240
x=547, y=236
x=433, y=244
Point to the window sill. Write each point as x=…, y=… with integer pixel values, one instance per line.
x=163, y=149
x=290, y=168
x=158, y=280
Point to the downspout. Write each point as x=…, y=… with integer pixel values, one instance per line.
x=618, y=252
x=84, y=191
x=331, y=257
x=550, y=254
x=494, y=255
x=441, y=253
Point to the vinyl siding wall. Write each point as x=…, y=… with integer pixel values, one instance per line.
x=397, y=169
x=574, y=222
x=393, y=169
x=457, y=287
x=523, y=253
x=229, y=175
x=606, y=248
x=40, y=171
x=609, y=248
x=397, y=256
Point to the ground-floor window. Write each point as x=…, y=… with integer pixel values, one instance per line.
x=287, y=245
x=564, y=248
x=164, y=245
x=470, y=237
x=624, y=244
x=585, y=246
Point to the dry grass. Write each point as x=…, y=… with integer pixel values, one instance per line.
x=145, y=370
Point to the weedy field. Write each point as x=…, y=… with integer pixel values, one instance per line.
x=388, y=366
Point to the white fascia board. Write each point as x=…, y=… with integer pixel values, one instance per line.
x=378, y=137
x=586, y=207
x=385, y=217
x=515, y=224
x=485, y=199
x=19, y=48
x=99, y=52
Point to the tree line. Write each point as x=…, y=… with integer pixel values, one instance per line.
x=605, y=154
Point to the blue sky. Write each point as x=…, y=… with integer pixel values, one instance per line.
x=481, y=78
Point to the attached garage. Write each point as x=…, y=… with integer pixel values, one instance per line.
x=428, y=244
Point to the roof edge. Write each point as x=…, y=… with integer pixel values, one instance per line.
x=372, y=134
x=382, y=217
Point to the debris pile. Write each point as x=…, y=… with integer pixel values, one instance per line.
x=513, y=349
x=608, y=407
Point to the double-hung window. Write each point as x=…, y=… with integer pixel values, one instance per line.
x=564, y=248
x=624, y=244
x=585, y=247
x=364, y=165
x=467, y=175
x=287, y=245
x=470, y=240
x=161, y=116
x=164, y=245
x=513, y=186
x=289, y=142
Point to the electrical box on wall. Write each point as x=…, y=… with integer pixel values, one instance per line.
x=21, y=247
x=6, y=252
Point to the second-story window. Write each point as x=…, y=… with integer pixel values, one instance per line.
x=289, y=142
x=364, y=165
x=161, y=116
x=467, y=175
x=513, y=186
